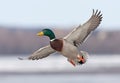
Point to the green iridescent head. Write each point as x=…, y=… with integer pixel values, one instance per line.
x=47, y=32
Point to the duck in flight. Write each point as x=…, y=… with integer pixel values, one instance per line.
x=68, y=45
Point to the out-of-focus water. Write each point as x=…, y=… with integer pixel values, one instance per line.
x=61, y=78
x=101, y=63
x=98, y=69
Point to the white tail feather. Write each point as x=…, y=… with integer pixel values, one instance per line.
x=85, y=55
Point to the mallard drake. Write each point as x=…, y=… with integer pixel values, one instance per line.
x=68, y=45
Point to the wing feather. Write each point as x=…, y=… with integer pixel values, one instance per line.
x=79, y=34
x=42, y=53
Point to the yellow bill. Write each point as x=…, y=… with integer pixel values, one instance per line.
x=40, y=34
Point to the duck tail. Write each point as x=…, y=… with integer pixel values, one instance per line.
x=85, y=55
x=81, y=59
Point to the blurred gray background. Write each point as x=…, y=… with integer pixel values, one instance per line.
x=20, y=20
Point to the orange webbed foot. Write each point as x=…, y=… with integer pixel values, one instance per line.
x=81, y=59
x=72, y=62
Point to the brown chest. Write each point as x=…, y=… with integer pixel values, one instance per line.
x=57, y=44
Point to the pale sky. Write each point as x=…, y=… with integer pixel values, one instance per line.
x=58, y=12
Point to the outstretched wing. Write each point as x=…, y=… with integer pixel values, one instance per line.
x=42, y=53
x=79, y=34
